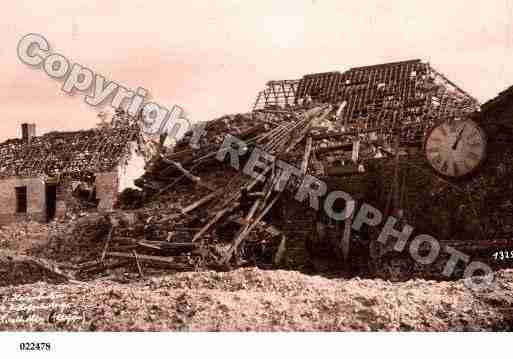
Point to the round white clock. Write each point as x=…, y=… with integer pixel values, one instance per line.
x=455, y=148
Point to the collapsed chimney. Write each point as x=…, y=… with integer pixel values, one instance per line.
x=28, y=132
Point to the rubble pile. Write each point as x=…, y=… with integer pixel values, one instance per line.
x=219, y=219
x=195, y=211
x=198, y=207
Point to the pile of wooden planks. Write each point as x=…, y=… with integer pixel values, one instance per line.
x=222, y=219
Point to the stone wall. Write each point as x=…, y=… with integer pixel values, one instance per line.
x=35, y=199
x=106, y=192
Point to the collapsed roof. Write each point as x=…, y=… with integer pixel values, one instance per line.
x=69, y=153
x=408, y=97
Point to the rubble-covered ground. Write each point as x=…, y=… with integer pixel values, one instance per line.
x=255, y=300
x=141, y=267
x=243, y=299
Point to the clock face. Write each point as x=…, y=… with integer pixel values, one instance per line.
x=456, y=148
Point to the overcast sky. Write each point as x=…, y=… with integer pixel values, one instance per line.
x=212, y=57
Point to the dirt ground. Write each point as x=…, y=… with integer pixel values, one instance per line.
x=247, y=299
x=254, y=300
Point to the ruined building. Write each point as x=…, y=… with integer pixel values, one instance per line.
x=408, y=97
x=41, y=177
x=361, y=132
x=387, y=109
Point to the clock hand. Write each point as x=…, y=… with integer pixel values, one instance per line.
x=458, y=138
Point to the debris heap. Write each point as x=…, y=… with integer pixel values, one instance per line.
x=219, y=220
x=199, y=207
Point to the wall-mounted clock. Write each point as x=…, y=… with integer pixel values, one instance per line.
x=455, y=148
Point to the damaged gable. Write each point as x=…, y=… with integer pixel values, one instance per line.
x=67, y=154
x=50, y=175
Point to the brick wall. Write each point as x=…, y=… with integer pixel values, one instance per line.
x=474, y=208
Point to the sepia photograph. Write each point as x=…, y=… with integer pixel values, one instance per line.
x=303, y=178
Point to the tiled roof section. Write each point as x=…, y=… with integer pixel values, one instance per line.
x=503, y=98
x=410, y=96
x=66, y=153
x=388, y=64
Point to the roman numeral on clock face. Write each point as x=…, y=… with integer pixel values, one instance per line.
x=456, y=169
x=444, y=167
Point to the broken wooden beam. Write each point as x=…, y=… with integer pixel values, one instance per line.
x=137, y=263
x=242, y=236
x=198, y=203
x=306, y=157
x=280, y=253
x=214, y=220
x=107, y=242
x=153, y=260
x=163, y=245
x=189, y=175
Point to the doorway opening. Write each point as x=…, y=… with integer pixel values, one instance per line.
x=51, y=201
x=21, y=199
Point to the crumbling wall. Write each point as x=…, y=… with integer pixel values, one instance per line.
x=67, y=202
x=107, y=185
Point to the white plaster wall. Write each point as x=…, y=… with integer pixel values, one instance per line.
x=130, y=170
